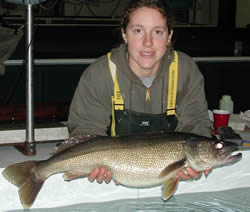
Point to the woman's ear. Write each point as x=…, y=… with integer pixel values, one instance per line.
x=124, y=37
x=170, y=36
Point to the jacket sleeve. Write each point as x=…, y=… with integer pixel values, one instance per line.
x=192, y=109
x=90, y=109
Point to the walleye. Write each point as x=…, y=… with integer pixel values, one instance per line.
x=135, y=161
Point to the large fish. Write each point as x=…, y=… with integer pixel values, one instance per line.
x=135, y=161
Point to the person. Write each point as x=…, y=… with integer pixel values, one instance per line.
x=141, y=86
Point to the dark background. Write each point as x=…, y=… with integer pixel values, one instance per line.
x=54, y=85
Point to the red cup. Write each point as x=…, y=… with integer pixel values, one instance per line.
x=221, y=118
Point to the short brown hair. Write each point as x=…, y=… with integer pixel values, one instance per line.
x=160, y=5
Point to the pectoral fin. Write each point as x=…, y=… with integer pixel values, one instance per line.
x=169, y=187
x=173, y=168
x=68, y=176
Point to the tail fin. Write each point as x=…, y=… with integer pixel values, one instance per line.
x=24, y=176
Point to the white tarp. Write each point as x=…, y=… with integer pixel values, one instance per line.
x=58, y=193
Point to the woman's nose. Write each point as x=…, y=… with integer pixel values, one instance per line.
x=148, y=40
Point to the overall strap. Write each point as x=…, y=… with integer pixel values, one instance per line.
x=172, y=85
x=117, y=99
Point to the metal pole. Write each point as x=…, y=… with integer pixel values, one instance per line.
x=30, y=144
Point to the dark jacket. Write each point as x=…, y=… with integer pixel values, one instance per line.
x=91, y=108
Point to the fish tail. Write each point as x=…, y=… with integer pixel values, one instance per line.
x=25, y=177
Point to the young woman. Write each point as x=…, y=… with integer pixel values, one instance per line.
x=141, y=86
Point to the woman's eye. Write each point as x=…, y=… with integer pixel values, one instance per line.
x=159, y=32
x=137, y=31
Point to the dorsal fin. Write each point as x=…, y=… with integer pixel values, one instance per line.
x=73, y=141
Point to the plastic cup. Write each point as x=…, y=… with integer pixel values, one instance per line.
x=221, y=118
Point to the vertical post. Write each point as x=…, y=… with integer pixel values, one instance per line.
x=30, y=143
x=194, y=11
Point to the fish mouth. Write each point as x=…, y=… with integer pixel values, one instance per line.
x=233, y=158
x=227, y=155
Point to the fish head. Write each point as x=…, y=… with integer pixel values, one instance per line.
x=205, y=154
x=223, y=153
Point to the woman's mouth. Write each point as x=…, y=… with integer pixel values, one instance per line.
x=147, y=54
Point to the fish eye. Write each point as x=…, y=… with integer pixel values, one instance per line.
x=219, y=145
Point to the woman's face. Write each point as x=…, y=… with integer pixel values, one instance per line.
x=147, y=37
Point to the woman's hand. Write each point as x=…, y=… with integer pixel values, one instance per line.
x=190, y=173
x=101, y=174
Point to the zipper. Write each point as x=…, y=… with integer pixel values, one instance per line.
x=147, y=94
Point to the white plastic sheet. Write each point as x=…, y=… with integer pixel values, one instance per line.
x=227, y=187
